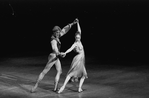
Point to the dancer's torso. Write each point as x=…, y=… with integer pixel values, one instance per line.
x=58, y=44
x=79, y=47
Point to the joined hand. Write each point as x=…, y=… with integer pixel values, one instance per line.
x=63, y=54
x=75, y=21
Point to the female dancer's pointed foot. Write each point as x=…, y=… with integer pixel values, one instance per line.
x=80, y=90
x=33, y=90
x=60, y=90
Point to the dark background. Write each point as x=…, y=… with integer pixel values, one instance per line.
x=112, y=30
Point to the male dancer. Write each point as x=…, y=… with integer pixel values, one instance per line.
x=54, y=56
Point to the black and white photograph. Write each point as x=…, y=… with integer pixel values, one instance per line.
x=74, y=49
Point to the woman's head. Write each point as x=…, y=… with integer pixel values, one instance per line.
x=78, y=36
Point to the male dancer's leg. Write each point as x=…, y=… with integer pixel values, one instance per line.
x=59, y=71
x=42, y=74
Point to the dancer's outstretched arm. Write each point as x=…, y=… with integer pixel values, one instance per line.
x=78, y=26
x=71, y=48
x=67, y=28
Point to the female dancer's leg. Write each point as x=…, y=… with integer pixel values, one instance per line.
x=80, y=84
x=66, y=81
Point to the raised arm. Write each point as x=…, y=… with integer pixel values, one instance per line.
x=71, y=48
x=78, y=26
x=67, y=28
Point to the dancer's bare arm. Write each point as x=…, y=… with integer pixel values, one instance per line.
x=71, y=48
x=78, y=26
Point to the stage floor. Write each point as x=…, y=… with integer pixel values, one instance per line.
x=18, y=76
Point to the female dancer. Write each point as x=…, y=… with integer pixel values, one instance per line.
x=77, y=70
x=54, y=56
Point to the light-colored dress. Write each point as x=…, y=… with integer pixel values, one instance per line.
x=77, y=69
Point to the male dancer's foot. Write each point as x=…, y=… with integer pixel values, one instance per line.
x=56, y=90
x=55, y=87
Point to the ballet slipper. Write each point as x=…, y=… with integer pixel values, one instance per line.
x=80, y=90
x=32, y=90
x=61, y=90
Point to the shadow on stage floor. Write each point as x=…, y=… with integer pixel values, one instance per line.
x=18, y=75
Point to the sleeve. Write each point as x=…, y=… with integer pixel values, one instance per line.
x=65, y=30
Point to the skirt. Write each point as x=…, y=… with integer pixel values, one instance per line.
x=77, y=69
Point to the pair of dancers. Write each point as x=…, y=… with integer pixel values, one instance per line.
x=77, y=70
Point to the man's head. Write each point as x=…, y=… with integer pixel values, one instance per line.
x=56, y=31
